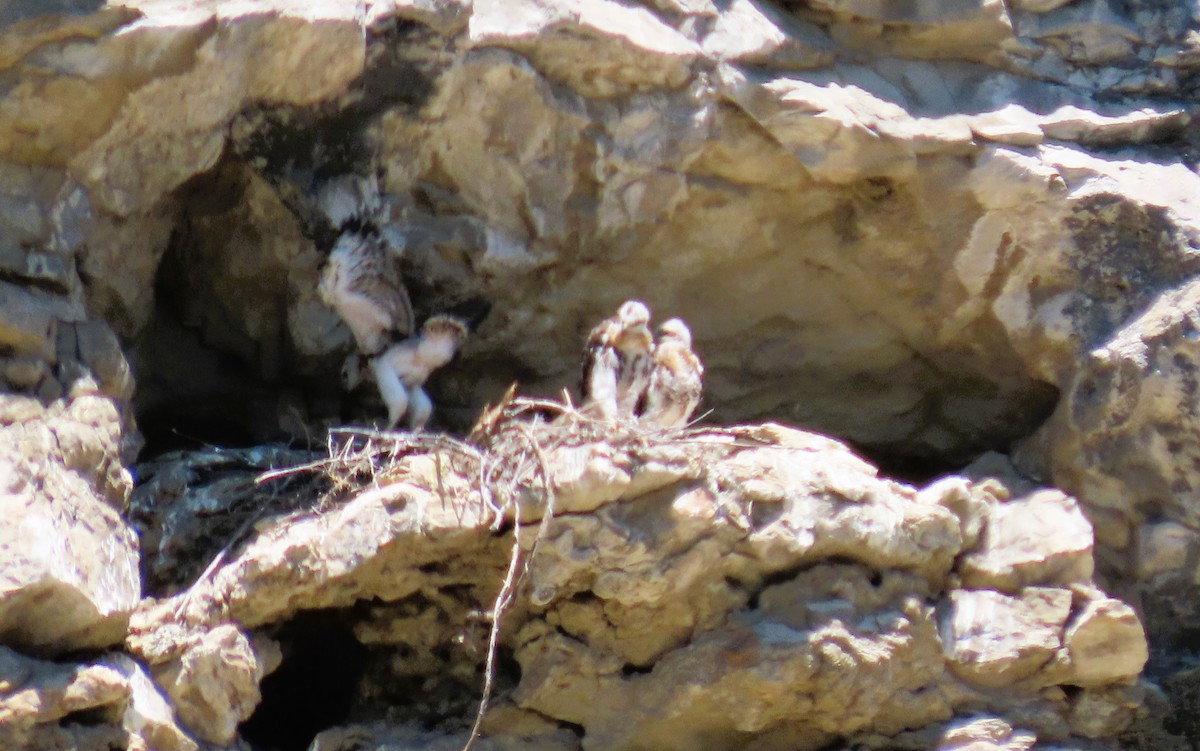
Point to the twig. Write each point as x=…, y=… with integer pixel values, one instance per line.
x=182, y=606
x=275, y=474
x=507, y=588
x=501, y=602
x=547, y=491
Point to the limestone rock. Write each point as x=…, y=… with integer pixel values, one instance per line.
x=1106, y=644
x=748, y=33
x=148, y=715
x=70, y=562
x=1133, y=389
x=43, y=705
x=736, y=677
x=994, y=640
x=985, y=733
x=134, y=151
x=631, y=128
x=384, y=737
x=1101, y=714
x=973, y=499
x=1164, y=548
x=1093, y=29
x=1040, y=538
x=188, y=506
x=38, y=695
x=967, y=215
x=30, y=320
x=212, y=682
x=657, y=598
x=608, y=49
x=640, y=176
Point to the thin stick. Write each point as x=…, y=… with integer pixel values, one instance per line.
x=504, y=596
x=547, y=491
x=182, y=606
x=502, y=599
x=286, y=471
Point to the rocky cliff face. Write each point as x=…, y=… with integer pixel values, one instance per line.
x=935, y=231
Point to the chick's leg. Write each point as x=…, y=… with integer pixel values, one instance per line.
x=421, y=407
x=394, y=394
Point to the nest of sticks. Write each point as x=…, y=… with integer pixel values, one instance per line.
x=506, y=450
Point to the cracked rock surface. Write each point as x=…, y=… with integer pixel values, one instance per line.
x=757, y=584
x=959, y=238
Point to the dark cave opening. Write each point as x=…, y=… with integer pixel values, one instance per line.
x=215, y=365
x=219, y=364
x=906, y=468
x=166, y=430
x=313, y=688
x=193, y=395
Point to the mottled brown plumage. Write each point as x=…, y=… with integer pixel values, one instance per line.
x=616, y=364
x=675, y=385
x=363, y=286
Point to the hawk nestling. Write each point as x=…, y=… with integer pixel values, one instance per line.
x=363, y=286
x=616, y=366
x=360, y=281
x=401, y=370
x=675, y=378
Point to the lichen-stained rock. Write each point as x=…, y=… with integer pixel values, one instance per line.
x=1102, y=286
x=109, y=703
x=1117, y=439
x=70, y=564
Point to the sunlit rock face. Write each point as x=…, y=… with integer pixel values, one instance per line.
x=926, y=208
x=759, y=584
x=932, y=230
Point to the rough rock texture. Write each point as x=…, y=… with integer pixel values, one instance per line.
x=110, y=703
x=752, y=585
x=924, y=228
x=932, y=230
x=70, y=573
